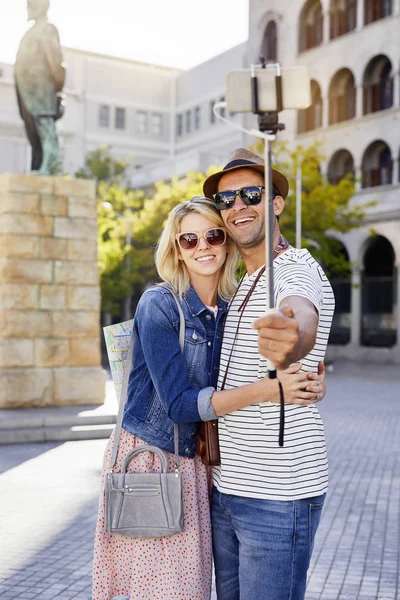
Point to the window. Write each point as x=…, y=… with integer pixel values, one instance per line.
x=156, y=124
x=188, y=121
x=377, y=165
x=141, y=122
x=378, y=85
x=197, y=118
x=311, y=25
x=212, y=116
x=376, y=9
x=342, y=97
x=179, y=125
x=343, y=17
x=311, y=118
x=269, y=51
x=120, y=118
x=104, y=115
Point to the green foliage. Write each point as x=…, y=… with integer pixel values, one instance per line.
x=326, y=208
x=126, y=269
x=101, y=166
x=140, y=215
x=148, y=223
x=115, y=206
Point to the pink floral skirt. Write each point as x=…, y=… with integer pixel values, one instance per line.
x=167, y=568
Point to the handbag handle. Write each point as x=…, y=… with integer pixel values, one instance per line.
x=124, y=390
x=146, y=448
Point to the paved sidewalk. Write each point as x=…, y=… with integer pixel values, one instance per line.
x=49, y=494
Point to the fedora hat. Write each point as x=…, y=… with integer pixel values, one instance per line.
x=244, y=159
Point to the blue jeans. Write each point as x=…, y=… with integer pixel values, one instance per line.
x=262, y=548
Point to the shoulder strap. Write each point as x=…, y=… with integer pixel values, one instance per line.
x=124, y=391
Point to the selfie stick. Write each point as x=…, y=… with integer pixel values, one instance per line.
x=269, y=126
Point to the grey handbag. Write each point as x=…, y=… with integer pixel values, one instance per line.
x=144, y=504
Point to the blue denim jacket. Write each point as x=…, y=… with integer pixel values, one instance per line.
x=166, y=386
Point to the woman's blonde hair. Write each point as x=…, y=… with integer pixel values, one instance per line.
x=174, y=271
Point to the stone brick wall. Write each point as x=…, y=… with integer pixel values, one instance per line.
x=49, y=292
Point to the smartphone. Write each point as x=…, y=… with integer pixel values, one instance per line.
x=296, y=89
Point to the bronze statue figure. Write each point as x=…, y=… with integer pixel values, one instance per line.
x=39, y=80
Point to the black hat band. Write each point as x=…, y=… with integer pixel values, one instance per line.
x=239, y=163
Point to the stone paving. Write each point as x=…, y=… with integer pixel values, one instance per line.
x=49, y=501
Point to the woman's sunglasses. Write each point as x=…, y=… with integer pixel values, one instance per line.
x=191, y=239
x=249, y=195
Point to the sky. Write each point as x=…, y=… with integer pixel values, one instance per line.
x=175, y=33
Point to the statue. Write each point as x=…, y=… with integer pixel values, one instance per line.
x=39, y=80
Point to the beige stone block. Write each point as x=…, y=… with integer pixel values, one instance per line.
x=74, y=187
x=76, y=272
x=30, y=271
x=82, y=206
x=75, y=324
x=54, y=205
x=18, y=182
x=51, y=352
x=18, y=296
x=21, y=246
x=26, y=224
x=53, y=297
x=85, y=297
x=26, y=387
x=52, y=248
x=16, y=353
x=84, y=352
x=82, y=250
x=79, y=385
x=75, y=228
x=15, y=202
x=25, y=324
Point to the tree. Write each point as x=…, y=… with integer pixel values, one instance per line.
x=148, y=223
x=125, y=270
x=326, y=208
x=102, y=166
x=115, y=206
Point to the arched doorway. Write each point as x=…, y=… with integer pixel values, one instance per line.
x=378, y=294
x=340, y=280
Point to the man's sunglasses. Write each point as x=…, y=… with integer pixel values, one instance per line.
x=249, y=195
x=191, y=239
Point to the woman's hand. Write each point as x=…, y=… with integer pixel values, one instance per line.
x=321, y=377
x=302, y=388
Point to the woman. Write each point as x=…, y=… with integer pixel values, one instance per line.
x=198, y=263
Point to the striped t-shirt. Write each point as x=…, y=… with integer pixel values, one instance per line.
x=252, y=462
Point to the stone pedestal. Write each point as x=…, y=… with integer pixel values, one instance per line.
x=49, y=293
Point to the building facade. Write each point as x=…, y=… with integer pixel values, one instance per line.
x=352, y=51
x=161, y=119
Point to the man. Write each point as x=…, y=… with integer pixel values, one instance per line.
x=39, y=80
x=267, y=499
